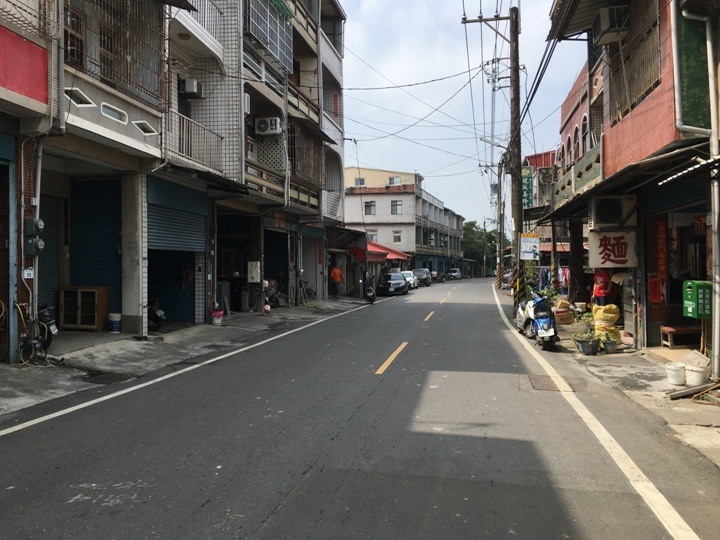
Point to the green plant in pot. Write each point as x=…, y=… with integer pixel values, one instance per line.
x=609, y=344
x=586, y=340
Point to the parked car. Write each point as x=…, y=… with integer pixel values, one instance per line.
x=423, y=276
x=393, y=283
x=410, y=276
x=454, y=273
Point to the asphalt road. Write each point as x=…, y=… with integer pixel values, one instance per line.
x=423, y=416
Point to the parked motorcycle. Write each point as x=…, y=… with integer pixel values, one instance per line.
x=536, y=320
x=155, y=315
x=368, y=290
x=47, y=333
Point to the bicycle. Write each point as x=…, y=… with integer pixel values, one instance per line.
x=306, y=293
x=34, y=337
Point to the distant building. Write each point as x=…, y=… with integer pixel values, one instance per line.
x=394, y=210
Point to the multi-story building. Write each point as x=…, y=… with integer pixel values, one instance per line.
x=394, y=210
x=639, y=144
x=174, y=149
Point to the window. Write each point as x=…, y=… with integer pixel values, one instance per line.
x=394, y=180
x=74, y=40
x=359, y=181
x=397, y=237
x=372, y=235
x=585, y=135
x=370, y=208
x=108, y=48
x=396, y=207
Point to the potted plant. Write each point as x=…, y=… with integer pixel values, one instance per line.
x=586, y=340
x=609, y=345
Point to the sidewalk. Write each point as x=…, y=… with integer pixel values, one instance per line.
x=91, y=358
x=643, y=378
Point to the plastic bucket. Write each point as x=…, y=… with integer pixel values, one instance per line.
x=696, y=375
x=217, y=317
x=114, y=322
x=675, y=373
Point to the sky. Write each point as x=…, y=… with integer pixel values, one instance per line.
x=415, y=99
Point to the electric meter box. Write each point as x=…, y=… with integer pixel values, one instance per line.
x=253, y=272
x=697, y=299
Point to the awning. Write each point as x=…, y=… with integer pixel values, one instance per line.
x=342, y=238
x=390, y=253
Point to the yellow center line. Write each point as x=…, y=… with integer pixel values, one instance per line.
x=442, y=301
x=390, y=359
x=429, y=315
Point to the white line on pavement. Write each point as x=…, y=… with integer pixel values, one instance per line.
x=661, y=507
x=90, y=403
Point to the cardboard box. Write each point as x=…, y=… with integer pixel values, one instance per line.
x=564, y=316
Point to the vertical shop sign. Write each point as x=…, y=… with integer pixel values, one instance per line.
x=527, y=186
x=662, y=248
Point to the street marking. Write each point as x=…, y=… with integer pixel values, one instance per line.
x=96, y=401
x=660, y=506
x=442, y=301
x=390, y=359
x=428, y=316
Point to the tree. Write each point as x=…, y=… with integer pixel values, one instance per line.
x=480, y=245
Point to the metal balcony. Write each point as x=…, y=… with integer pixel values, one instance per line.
x=188, y=140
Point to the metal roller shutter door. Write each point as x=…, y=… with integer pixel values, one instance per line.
x=310, y=264
x=175, y=230
x=49, y=260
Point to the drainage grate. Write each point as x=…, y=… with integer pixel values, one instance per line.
x=108, y=378
x=544, y=382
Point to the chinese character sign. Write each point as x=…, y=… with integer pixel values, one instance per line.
x=612, y=249
x=662, y=248
x=527, y=186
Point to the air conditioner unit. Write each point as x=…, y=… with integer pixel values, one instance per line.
x=268, y=126
x=191, y=88
x=613, y=213
x=611, y=24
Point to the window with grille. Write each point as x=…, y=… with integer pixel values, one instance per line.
x=370, y=208
x=397, y=237
x=108, y=52
x=396, y=207
x=359, y=181
x=372, y=235
x=74, y=37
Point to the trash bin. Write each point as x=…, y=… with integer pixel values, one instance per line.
x=114, y=322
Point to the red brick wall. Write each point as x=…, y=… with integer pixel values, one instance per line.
x=573, y=109
x=651, y=125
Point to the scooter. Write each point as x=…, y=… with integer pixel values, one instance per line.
x=368, y=291
x=155, y=315
x=536, y=320
x=50, y=327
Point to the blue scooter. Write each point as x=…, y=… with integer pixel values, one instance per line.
x=536, y=320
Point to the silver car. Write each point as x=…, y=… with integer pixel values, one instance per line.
x=411, y=278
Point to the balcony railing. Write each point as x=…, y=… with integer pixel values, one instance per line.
x=264, y=180
x=586, y=171
x=208, y=15
x=303, y=105
x=332, y=205
x=194, y=141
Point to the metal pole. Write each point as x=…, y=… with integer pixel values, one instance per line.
x=484, y=249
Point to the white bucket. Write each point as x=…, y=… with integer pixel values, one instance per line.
x=675, y=373
x=114, y=322
x=217, y=317
x=696, y=375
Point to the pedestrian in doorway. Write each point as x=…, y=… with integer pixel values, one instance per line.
x=336, y=277
x=601, y=288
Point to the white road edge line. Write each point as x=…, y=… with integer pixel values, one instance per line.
x=90, y=403
x=661, y=507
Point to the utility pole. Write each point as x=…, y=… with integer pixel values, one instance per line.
x=515, y=159
x=491, y=22
x=484, y=248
